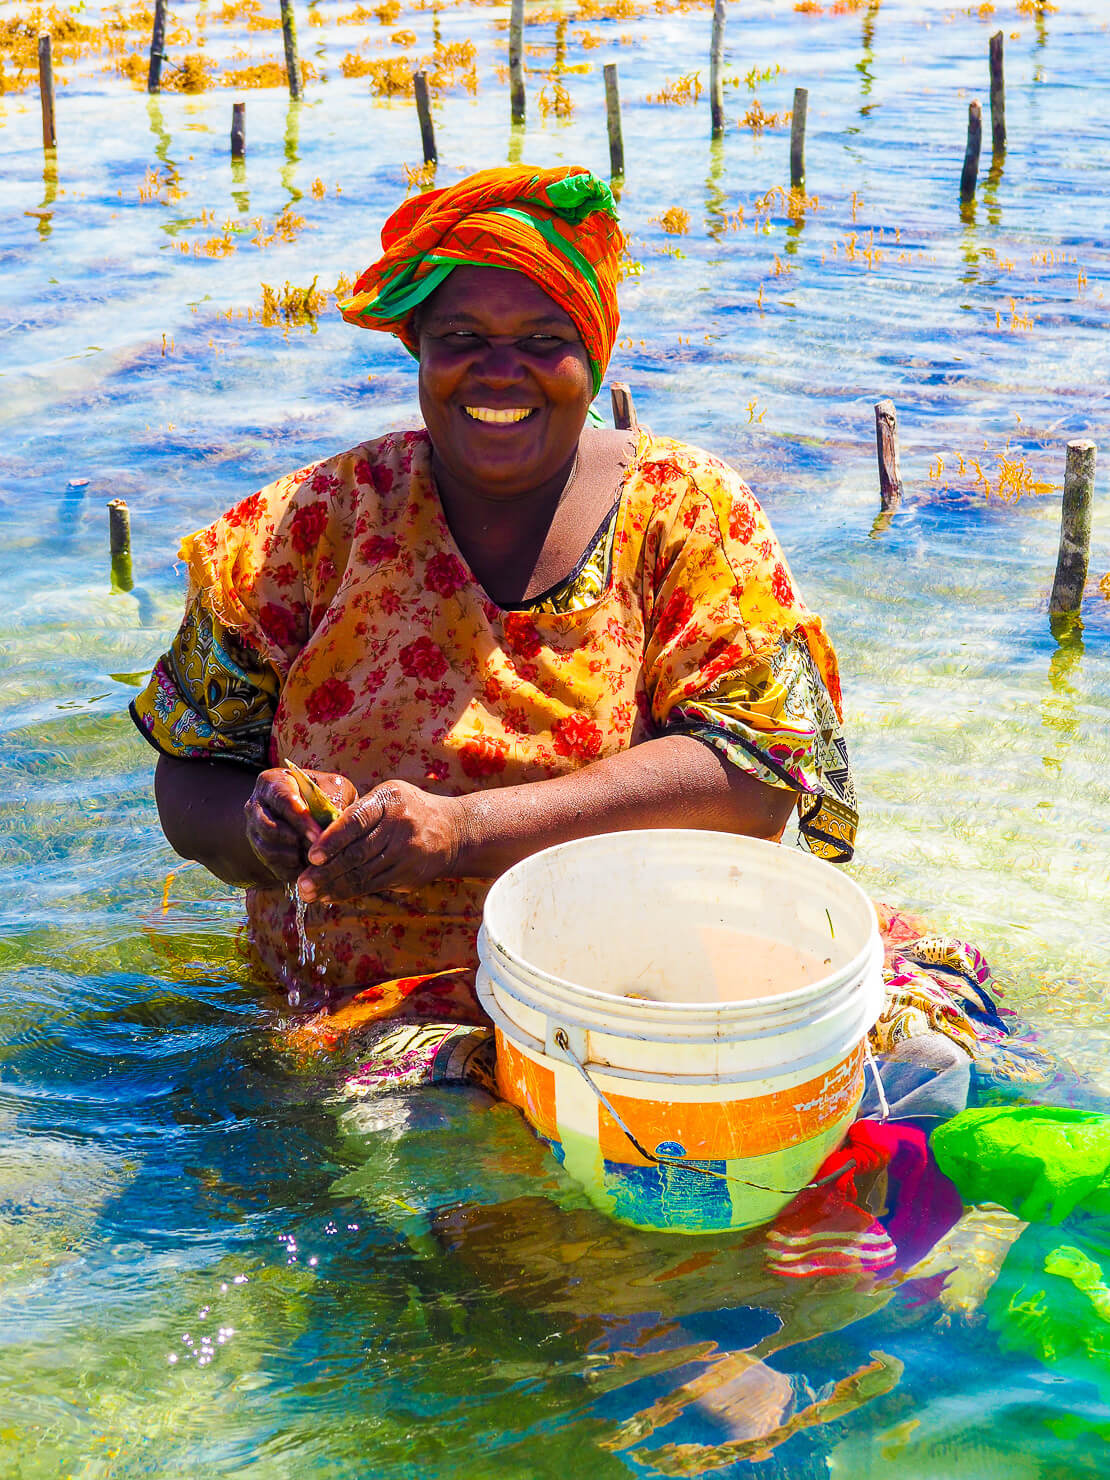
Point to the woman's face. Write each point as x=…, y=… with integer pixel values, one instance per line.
x=505, y=383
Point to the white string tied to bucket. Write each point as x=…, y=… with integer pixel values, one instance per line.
x=562, y=1041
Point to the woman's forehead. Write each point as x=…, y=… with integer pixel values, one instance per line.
x=491, y=296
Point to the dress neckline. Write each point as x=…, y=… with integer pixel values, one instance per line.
x=616, y=515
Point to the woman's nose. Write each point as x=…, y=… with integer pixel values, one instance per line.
x=500, y=363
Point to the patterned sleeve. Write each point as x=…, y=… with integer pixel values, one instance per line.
x=209, y=697
x=259, y=579
x=733, y=655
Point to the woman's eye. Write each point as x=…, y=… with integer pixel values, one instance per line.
x=543, y=340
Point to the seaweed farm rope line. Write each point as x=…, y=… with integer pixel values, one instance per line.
x=563, y=1042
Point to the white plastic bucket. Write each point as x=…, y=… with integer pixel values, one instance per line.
x=635, y=983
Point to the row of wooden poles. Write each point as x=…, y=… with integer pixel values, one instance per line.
x=517, y=101
x=1073, y=558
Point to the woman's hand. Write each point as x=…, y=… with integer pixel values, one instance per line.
x=395, y=836
x=279, y=827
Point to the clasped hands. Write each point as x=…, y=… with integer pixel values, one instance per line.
x=393, y=837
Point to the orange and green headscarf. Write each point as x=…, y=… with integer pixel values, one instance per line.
x=559, y=227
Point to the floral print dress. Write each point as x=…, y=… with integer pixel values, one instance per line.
x=332, y=620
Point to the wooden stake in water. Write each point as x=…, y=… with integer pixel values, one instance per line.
x=886, y=445
x=46, y=92
x=238, y=130
x=798, y=139
x=516, y=61
x=971, y=157
x=289, y=36
x=624, y=412
x=716, y=63
x=1075, y=530
x=424, y=114
x=613, y=118
x=157, y=44
x=119, y=544
x=998, y=95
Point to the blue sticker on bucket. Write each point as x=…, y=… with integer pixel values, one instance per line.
x=670, y=1196
x=670, y=1148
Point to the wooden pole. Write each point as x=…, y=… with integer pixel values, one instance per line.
x=716, y=63
x=119, y=544
x=289, y=36
x=424, y=113
x=624, y=413
x=238, y=130
x=886, y=444
x=46, y=92
x=1075, y=530
x=516, y=61
x=971, y=156
x=613, y=118
x=157, y=45
x=798, y=139
x=998, y=95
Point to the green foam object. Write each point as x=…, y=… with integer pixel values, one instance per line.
x=1039, y=1162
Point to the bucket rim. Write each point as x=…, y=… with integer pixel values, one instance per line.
x=777, y=1001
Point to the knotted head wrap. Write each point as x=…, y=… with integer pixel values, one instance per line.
x=558, y=227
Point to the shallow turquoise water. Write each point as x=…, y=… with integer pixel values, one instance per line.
x=168, y=1171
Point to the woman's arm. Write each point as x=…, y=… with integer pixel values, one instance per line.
x=398, y=835
x=244, y=827
x=201, y=809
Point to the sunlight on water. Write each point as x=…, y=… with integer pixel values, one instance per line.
x=210, y=1264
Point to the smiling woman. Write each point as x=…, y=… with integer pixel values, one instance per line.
x=488, y=635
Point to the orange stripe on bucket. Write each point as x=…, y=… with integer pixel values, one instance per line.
x=527, y=1085
x=725, y=1130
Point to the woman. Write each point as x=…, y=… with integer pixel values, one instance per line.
x=487, y=636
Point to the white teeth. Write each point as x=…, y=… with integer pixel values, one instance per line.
x=498, y=418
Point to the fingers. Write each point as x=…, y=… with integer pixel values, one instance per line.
x=346, y=854
x=278, y=825
x=356, y=823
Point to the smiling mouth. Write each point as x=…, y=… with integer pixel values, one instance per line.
x=494, y=417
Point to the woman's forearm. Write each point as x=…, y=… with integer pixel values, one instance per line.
x=672, y=781
x=200, y=806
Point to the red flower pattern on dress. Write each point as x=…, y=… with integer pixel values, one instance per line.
x=423, y=659
x=781, y=588
x=445, y=574
x=482, y=756
x=741, y=521
x=307, y=525
x=247, y=512
x=281, y=625
x=677, y=611
x=577, y=735
x=522, y=635
x=379, y=548
x=329, y=701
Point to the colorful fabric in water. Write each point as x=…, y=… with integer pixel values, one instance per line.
x=558, y=227
x=831, y=1230
x=339, y=596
